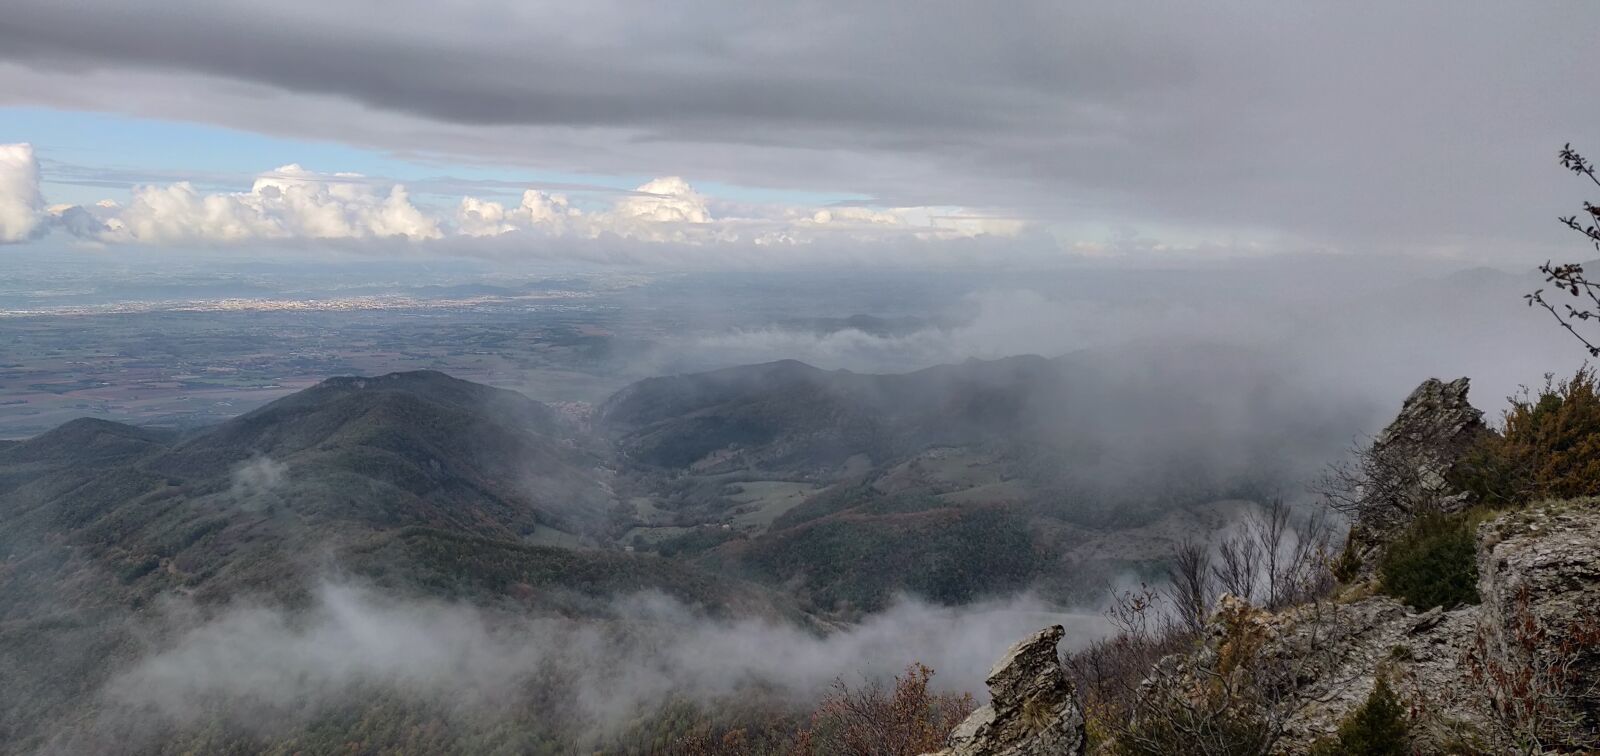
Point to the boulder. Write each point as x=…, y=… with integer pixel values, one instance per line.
x=1033, y=710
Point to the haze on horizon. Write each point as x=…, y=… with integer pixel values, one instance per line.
x=733, y=183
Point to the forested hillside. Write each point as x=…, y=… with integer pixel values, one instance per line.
x=776, y=493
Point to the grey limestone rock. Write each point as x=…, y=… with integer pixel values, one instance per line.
x=1033, y=710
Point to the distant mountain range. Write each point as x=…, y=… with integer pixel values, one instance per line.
x=776, y=490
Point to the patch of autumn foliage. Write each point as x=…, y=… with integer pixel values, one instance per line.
x=906, y=718
x=1549, y=446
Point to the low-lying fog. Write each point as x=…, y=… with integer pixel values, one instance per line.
x=1361, y=327
x=264, y=667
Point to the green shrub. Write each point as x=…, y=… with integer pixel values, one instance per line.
x=1433, y=563
x=1377, y=728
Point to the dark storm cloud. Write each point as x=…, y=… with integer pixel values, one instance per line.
x=727, y=68
x=1414, y=125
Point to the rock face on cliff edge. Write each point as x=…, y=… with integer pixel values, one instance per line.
x=1467, y=674
x=1408, y=467
x=1522, y=667
x=1034, y=709
x=1539, y=580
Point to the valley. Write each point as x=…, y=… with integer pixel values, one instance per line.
x=779, y=492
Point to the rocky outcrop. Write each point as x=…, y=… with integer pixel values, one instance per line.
x=1539, y=621
x=1520, y=669
x=1407, y=470
x=1033, y=710
x=1284, y=680
x=1337, y=652
x=1518, y=673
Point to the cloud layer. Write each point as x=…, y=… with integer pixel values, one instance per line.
x=21, y=205
x=288, y=203
x=292, y=203
x=1338, y=125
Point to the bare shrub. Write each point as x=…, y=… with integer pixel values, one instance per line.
x=1238, y=693
x=1139, y=693
x=1273, y=561
x=1189, y=584
x=905, y=718
x=1108, y=672
x=1569, y=278
x=730, y=743
x=1538, y=680
x=1368, y=486
x=1238, y=565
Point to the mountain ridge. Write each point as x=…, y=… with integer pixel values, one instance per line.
x=780, y=491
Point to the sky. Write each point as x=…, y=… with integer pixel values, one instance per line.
x=724, y=133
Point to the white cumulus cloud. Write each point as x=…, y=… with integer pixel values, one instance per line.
x=663, y=209
x=22, y=212
x=288, y=203
x=547, y=212
x=669, y=209
x=294, y=203
x=664, y=200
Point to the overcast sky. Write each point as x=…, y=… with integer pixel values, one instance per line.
x=1041, y=129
